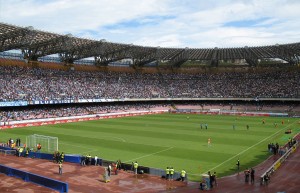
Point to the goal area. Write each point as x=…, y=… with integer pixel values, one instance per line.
x=48, y=143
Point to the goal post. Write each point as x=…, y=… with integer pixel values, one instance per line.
x=216, y=111
x=48, y=143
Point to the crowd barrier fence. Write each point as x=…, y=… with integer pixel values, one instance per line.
x=277, y=163
x=34, y=178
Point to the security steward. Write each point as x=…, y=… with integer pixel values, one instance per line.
x=135, y=166
x=171, y=173
x=21, y=151
x=62, y=157
x=60, y=168
x=238, y=165
x=167, y=173
x=182, y=174
x=27, y=152
x=89, y=159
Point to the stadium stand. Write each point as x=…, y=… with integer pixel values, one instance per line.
x=47, y=90
x=21, y=83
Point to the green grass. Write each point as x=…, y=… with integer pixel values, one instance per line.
x=170, y=140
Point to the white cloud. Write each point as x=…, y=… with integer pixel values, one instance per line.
x=165, y=23
x=170, y=40
x=69, y=15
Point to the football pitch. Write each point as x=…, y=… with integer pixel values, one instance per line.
x=175, y=140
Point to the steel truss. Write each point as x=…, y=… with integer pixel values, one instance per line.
x=36, y=43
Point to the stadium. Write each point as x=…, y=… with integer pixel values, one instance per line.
x=198, y=110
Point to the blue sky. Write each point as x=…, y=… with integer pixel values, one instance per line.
x=164, y=23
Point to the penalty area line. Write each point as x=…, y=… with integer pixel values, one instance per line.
x=148, y=155
x=68, y=144
x=113, y=138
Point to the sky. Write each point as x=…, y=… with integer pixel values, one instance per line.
x=163, y=23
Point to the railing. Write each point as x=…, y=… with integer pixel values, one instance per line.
x=277, y=164
x=144, y=169
x=37, y=179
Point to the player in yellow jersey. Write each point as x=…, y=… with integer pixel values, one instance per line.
x=209, y=142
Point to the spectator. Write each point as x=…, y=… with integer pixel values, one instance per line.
x=19, y=83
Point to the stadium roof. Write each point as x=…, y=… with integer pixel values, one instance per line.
x=36, y=43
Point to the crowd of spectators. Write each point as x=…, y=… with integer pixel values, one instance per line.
x=44, y=111
x=243, y=106
x=25, y=83
x=67, y=111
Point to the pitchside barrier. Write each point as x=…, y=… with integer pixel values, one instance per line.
x=59, y=120
x=143, y=169
x=5, y=148
x=68, y=157
x=228, y=112
x=8, y=152
x=278, y=163
x=34, y=178
x=78, y=159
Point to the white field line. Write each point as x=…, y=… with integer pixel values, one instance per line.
x=245, y=150
x=73, y=145
x=148, y=155
x=146, y=144
x=84, y=153
x=123, y=140
x=109, y=137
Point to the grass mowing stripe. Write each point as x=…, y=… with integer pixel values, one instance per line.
x=68, y=144
x=184, y=136
x=247, y=148
x=88, y=134
x=150, y=134
x=148, y=155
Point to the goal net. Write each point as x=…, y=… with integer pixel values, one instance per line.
x=48, y=143
x=215, y=111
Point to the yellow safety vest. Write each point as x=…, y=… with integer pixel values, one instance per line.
x=167, y=171
x=171, y=171
x=183, y=173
